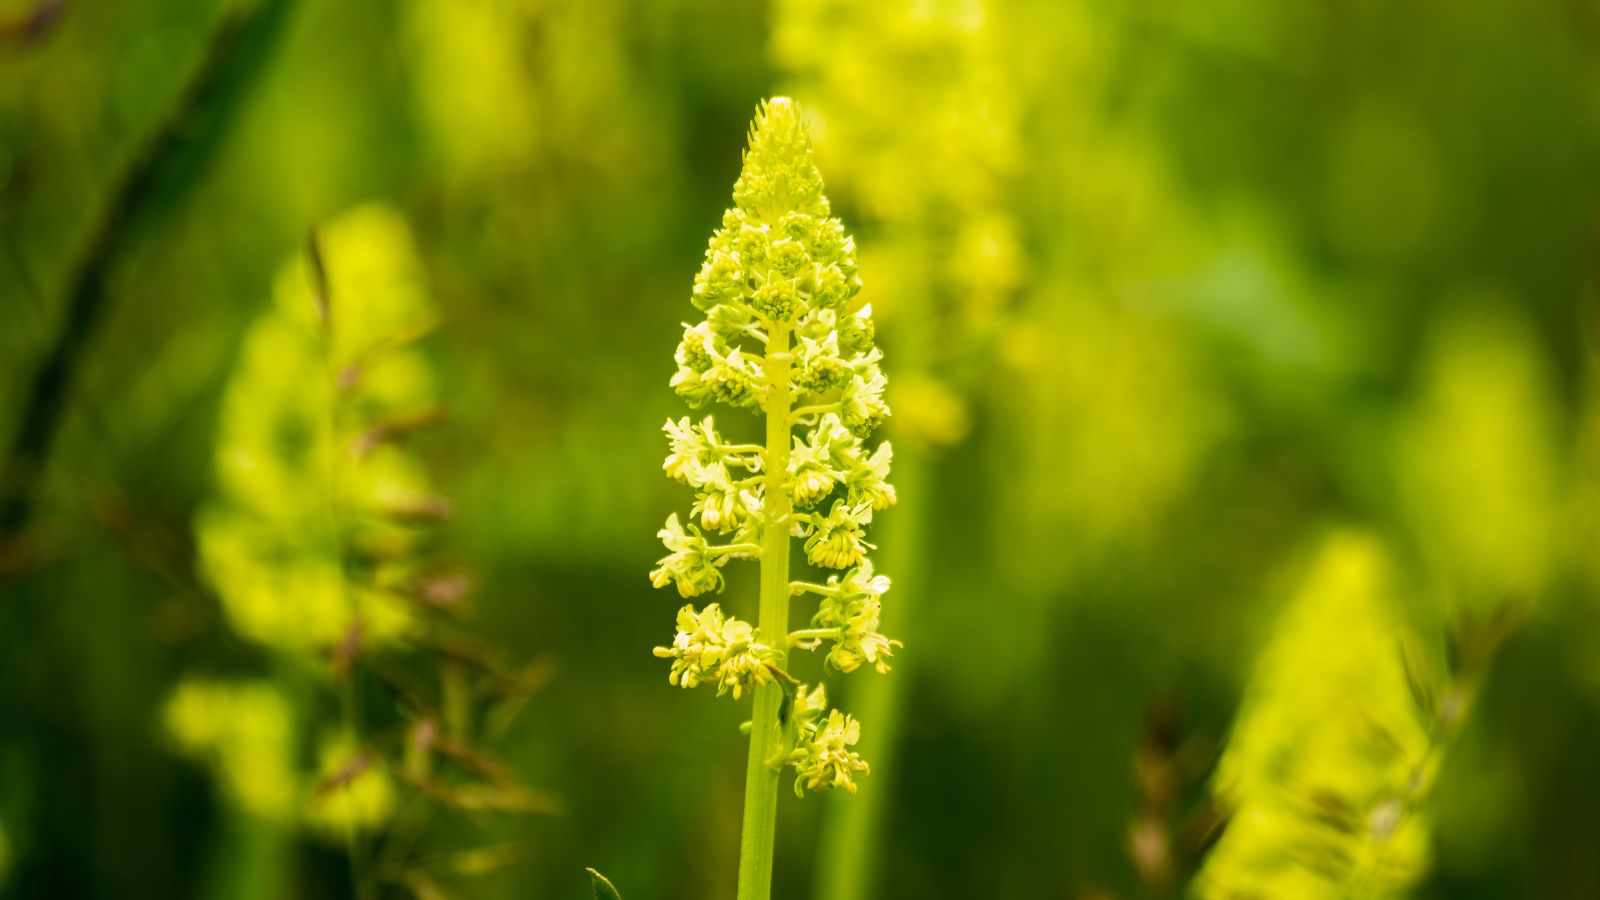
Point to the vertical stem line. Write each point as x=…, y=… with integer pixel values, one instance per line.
x=761, y=774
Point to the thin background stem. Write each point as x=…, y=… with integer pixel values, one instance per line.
x=161, y=171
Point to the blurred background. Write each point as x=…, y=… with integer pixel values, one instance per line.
x=1194, y=314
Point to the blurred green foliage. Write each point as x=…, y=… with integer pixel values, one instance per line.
x=1182, y=292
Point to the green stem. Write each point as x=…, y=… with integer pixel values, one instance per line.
x=761, y=774
x=727, y=549
x=812, y=634
x=816, y=409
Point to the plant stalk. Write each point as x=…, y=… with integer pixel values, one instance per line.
x=766, y=732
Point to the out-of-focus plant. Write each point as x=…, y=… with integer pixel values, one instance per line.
x=503, y=85
x=786, y=336
x=243, y=731
x=1102, y=386
x=1168, y=766
x=315, y=485
x=1328, y=773
x=5, y=855
x=1481, y=472
x=915, y=113
x=322, y=546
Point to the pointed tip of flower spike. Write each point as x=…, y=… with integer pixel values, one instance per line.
x=779, y=175
x=777, y=115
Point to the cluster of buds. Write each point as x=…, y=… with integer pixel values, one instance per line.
x=785, y=335
x=848, y=616
x=712, y=647
x=822, y=757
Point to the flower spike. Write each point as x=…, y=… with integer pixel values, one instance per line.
x=785, y=335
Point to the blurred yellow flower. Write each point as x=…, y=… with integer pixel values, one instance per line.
x=243, y=731
x=354, y=791
x=1480, y=465
x=299, y=426
x=1331, y=759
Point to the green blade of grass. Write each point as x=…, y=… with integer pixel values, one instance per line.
x=603, y=888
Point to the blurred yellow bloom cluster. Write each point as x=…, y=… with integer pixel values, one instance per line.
x=311, y=539
x=1333, y=756
x=302, y=421
x=913, y=111
x=353, y=792
x=1480, y=460
x=246, y=734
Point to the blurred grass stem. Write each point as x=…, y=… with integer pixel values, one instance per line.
x=161, y=170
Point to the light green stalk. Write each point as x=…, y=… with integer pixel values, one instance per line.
x=766, y=734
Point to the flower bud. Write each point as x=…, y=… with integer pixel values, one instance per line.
x=831, y=289
x=779, y=174
x=720, y=279
x=825, y=759
x=699, y=347
x=856, y=332
x=837, y=540
x=730, y=381
x=777, y=300
x=787, y=257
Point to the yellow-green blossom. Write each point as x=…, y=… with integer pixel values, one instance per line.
x=717, y=649
x=851, y=612
x=836, y=540
x=823, y=757
x=1331, y=761
x=693, y=563
x=357, y=792
x=302, y=399
x=243, y=731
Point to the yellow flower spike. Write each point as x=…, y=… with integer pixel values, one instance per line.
x=1332, y=758
x=785, y=335
x=267, y=543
